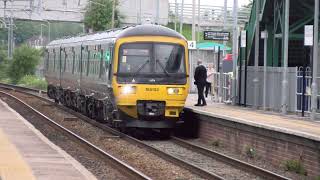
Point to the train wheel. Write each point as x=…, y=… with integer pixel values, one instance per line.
x=61, y=96
x=102, y=112
x=51, y=92
x=78, y=104
x=83, y=106
x=90, y=108
x=68, y=98
x=73, y=98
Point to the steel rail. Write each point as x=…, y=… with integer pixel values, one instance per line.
x=118, y=164
x=170, y=158
x=229, y=160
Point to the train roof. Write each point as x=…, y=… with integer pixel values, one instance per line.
x=139, y=30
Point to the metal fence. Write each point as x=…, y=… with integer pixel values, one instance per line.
x=304, y=91
x=304, y=81
x=273, y=88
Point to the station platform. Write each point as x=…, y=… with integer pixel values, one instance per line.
x=290, y=124
x=26, y=154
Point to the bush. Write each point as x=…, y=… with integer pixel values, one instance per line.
x=251, y=152
x=295, y=166
x=25, y=61
x=33, y=82
x=3, y=67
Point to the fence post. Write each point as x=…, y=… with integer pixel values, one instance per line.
x=303, y=89
x=220, y=91
x=240, y=71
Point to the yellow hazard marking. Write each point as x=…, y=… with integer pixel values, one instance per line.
x=12, y=165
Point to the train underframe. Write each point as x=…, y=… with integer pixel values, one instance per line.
x=105, y=111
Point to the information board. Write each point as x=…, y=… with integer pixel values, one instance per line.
x=192, y=45
x=216, y=35
x=308, y=35
x=243, y=39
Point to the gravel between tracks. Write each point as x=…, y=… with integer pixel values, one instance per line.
x=255, y=161
x=98, y=168
x=201, y=160
x=141, y=159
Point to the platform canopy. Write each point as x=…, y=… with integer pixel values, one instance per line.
x=212, y=46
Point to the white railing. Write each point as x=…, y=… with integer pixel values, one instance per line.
x=226, y=82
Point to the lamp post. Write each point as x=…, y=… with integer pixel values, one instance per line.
x=113, y=13
x=314, y=92
x=235, y=50
x=256, y=56
x=49, y=29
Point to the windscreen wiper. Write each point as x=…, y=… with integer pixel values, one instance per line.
x=164, y=69
x=140, y=68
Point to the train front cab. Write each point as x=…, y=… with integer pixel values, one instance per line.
x=150, y=86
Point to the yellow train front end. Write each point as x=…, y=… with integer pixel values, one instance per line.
x=150, y=81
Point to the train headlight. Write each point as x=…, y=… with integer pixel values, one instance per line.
x=128, y=90
x=174, y=91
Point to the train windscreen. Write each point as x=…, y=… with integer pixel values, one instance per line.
x=152, y=62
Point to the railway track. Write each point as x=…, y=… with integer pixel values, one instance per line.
x=227, y=159
x=178, y=160
x=123, y=167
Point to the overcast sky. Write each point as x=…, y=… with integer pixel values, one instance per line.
x=214, y=2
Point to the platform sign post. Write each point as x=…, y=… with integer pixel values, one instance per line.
x=308, y=43
x=243, y=47
x=264, y=36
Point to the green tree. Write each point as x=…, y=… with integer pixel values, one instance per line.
x=25, y=61
x=3, y=64
x=98, y=16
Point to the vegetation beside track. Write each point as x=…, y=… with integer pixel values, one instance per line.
x=32, y=81
x=20, y=70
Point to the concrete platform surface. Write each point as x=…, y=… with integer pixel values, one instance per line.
x=290, y=124
x=26, y=154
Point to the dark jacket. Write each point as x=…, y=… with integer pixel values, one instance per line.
x=200, y=75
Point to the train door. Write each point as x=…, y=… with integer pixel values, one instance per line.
x=56, y=66
x=85, y=53
x=106, y=63
x=59, y=71
x=76, y=71
x=63, y=67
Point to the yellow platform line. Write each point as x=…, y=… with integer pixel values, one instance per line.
x=12, y=165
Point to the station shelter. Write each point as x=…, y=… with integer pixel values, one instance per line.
x=276, y=71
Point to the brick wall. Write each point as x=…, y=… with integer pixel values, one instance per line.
x=273, y=147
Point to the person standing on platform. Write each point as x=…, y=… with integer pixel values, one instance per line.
x=200, y=77
x=210, y=72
